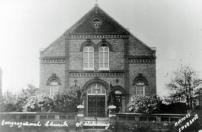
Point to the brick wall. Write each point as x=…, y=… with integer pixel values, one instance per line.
x=136, y=47
x=148, y=71
x=46, y=71
x=116, y=56
x=57, y=48
x=116, y=63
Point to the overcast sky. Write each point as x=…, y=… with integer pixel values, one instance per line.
x=174, y=27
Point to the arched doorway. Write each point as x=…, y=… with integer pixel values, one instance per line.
x=119, y=94
x=96, y=100
x=118, y=97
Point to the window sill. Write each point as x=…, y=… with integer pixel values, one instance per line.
x=88, y=69
x=103, y=69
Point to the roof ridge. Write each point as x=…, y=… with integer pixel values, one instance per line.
x=114, y=21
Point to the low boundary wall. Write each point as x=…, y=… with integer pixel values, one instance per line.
x=37, y=122
x=68, y=122
x=136, y=122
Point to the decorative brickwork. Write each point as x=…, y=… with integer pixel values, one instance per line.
x=104, y=43
x=133, y=61
x=53, y=61
x=98, y=36
x=140, y=78
x=96, y=74
x=87, y=43
x=53, y=77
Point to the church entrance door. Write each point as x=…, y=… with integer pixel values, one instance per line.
x=96, y=105
x=96, y=100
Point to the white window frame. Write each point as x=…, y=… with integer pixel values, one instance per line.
x=138, y=85
x=103, y=64
x=88, y=52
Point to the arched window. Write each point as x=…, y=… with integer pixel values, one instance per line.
x=140, y=88
x=103, y=58
x=54, y=85
x=54, y=88
x=88, y=58
x=140, y=83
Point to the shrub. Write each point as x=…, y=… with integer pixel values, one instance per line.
x=144, y=104
x=40, y=103
x=66, y=102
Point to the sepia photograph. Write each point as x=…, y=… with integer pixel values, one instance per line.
x=100, y=66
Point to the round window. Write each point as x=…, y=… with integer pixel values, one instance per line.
x=97, y=22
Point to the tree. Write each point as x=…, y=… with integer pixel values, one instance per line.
x=184, y=85
x=8, y=102
x=144, y=104
x=13, y=102
x=30, y=91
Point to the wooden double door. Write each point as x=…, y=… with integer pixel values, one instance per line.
x=96, y=105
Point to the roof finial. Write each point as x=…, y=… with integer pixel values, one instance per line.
x=96, y=3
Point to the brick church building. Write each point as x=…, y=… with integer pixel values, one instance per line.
x=96, y=56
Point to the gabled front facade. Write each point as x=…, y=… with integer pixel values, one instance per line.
x=97, y=56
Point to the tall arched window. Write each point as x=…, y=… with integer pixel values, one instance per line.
x=88, y=58
x=54, y=88
x=54, y=85
x=103, y=58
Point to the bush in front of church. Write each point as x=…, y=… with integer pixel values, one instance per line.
x=66, y=102
x=144, y=104
x=39, y=103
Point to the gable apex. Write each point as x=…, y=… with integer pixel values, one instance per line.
x=96, y=21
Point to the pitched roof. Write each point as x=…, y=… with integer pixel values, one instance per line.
x=107, y=24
